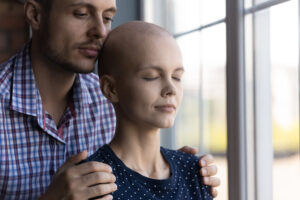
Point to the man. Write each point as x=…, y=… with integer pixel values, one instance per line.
x=52, y=112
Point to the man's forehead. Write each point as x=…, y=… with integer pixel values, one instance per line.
x=104, y=4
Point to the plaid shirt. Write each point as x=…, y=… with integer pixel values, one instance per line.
x=31, y=146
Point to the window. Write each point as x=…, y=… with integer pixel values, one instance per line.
x=241, y=90
x=272, y=61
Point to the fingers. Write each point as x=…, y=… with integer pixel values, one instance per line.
x=92, y=166
x=88, y=174
x=107, y=197
x=214, y=192
x=94, y=184
x=96, y=178
x=209, y=170
x=72, y=161
x=189, y=150
x=86, y=180
x=100, y=190
x=206, y=160
x=211, y=181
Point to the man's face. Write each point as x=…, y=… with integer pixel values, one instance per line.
x=149, y=88
x=73, y=33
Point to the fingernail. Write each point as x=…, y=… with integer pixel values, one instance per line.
x=206, y=180
x=109, y=197
x=204, y=172
x=115, y=186
x=203, y=163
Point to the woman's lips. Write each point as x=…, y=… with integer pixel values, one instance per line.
x=169, y=108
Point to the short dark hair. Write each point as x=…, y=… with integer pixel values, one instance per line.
x=46, y=4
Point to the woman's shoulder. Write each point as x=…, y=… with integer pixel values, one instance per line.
x=101, y=155
x=181, y=157
x=186, y=167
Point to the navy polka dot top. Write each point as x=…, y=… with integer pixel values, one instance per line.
x=184, y=182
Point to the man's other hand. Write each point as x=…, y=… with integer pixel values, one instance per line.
x=83, y=181
x=208, y=169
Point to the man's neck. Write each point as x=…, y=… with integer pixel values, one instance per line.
x=140, y=151
x=53, y=82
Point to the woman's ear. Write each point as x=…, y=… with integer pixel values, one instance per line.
x=108, y=88
x=33, y=12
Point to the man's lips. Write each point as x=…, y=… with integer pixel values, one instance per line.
x=90, y=52
x=169, y=108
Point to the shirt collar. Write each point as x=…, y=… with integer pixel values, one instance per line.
x=81, y=94
x=24, y=91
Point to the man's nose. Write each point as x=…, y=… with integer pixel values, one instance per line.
x=98, y=29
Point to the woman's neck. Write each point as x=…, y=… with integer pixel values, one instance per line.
x=139, y=149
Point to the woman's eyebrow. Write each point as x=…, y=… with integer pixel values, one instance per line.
x=157, y=68
x=143, y=68
x=179, y=69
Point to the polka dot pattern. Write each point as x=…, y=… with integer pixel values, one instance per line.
x=184, y=182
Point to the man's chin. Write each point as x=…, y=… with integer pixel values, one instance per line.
x=82, y=68
x=83, y=71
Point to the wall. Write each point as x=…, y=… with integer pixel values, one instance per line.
x=13, y=28
x=128, y=10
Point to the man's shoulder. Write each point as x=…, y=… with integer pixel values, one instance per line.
x=90, y=79
x=6, y=71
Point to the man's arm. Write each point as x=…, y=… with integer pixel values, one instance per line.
x=84, y=181
x=207, y=169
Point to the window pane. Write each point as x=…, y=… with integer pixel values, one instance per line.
x=174, y=15
x=259, y=1
x=282, y=56
x=188, y=119
x=250, y=107
x=285, y=100
x=201, y=121
x=179, y=16
x=212, y=10
x=248, y=3
x=188, y=16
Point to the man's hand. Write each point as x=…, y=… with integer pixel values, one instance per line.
x=207, y=169
x=84, y=181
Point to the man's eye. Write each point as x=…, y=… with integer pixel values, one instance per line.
x=80, y=15
x=108, y=19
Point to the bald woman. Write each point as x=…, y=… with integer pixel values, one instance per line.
x=140, y=73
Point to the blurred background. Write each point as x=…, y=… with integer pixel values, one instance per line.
x=266, y=151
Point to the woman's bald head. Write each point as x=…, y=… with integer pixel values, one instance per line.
x=129, y=43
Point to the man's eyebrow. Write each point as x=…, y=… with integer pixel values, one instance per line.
x=83, y=4
x=112, y=9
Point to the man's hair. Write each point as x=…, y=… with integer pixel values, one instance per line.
x=46, y=4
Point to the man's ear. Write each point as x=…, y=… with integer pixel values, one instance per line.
x=108, y=88
x=33, y=13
